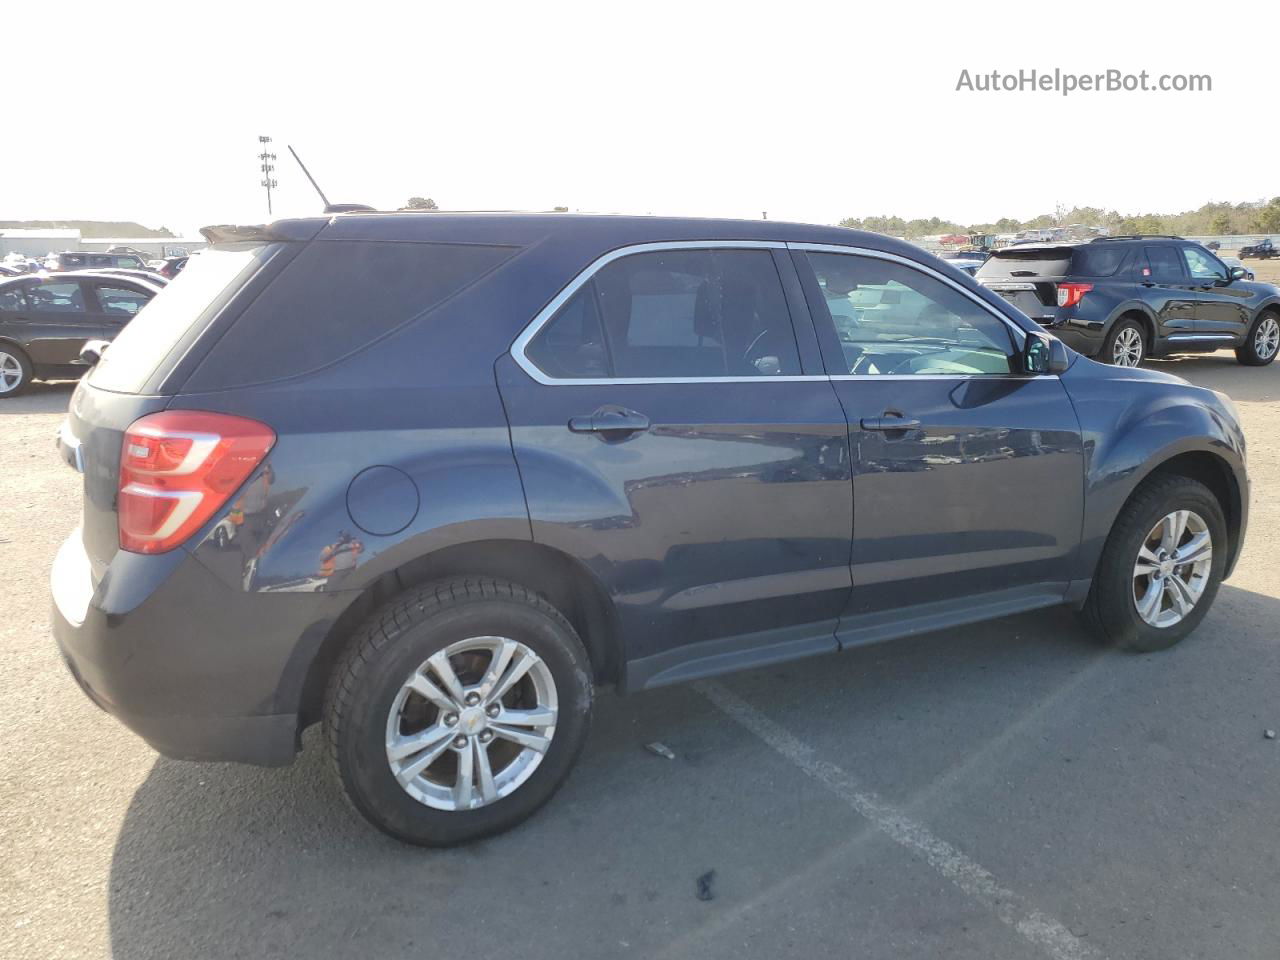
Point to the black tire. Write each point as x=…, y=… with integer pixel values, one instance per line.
x=1247, y=352
x=1110, y=610
x=9, y=352
x=1107, y=353
x=395, y=642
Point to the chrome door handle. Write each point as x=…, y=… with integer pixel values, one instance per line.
x=889, y=423
x=610, y=420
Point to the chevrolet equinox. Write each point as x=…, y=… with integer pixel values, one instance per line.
x=430, y=479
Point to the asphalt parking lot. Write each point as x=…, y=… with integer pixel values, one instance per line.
x=1006, y=790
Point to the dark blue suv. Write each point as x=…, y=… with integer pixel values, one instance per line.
x=432, y=478
x=1122, y=299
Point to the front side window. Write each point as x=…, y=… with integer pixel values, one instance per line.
x=892, y=319
x=64, y=297
x=1202, y=265
x=121, y=301
x=699, y=314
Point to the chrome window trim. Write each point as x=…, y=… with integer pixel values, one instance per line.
x=534, y=327
x=559, y=300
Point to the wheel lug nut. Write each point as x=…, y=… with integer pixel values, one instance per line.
x=450, y=719
x=459, y=741
x=486, y=736
x=473, y=699
x=493, y=711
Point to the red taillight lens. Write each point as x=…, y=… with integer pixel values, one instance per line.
x=1069, y=294
x=177, y=468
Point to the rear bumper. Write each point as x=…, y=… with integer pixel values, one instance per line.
x=198, y=670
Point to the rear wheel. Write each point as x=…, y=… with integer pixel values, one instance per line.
x=1125, y=346
x=15, y=371
x=1161, y=566
x=1263, y=342
x=458, y=710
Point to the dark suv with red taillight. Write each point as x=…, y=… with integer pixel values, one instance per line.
x=1122, y=299
x=430, y=479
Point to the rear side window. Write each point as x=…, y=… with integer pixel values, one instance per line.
x=1164, y=265
x=680, y=313
x=334, y=298
x=1027, y=262
x=1098, y=259
x=120, y=302
x=145, y=343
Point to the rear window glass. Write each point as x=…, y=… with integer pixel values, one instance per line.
x=1017, y=262
x=144, y=344
x=334, y=298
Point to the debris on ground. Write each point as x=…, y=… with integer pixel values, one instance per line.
x=704, y=885
x=1269, y=734
x=660, y=749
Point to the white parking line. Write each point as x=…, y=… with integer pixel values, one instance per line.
x=972, y=878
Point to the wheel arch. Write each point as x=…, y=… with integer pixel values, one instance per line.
x=561, y=579
x=1139, y=312
x=1216, y=474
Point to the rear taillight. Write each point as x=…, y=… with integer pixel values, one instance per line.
x=177, y=468
x=1069, y=294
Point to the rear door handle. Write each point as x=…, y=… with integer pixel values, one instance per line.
x=610, y=421
x=889, y=423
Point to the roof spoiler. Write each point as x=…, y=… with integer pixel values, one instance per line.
x=281, y=230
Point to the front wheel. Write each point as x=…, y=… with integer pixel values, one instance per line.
x=1263, y=342
x=1125, y=346
x=1161, y=566
x=458, y=710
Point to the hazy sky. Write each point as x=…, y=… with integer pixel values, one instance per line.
x=811, y=111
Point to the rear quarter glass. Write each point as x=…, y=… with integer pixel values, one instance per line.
x=333, y=299
x=190, y=300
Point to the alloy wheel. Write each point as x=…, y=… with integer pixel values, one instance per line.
x=10, y=372
x=1127, y=350
x=1267, y=338
x=1172, y=568
x=472, y=723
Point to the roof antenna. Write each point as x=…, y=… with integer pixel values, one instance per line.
x=323, y=198
x=328, y=207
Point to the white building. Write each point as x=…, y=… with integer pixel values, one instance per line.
x=151, y=246
x=37, y=243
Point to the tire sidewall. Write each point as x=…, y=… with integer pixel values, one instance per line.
x=361, y=746
x=1250, y=356
x=1109, y=345
x=1117, y=609
x=27, y=370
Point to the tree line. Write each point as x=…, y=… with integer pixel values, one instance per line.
x=1212, y=219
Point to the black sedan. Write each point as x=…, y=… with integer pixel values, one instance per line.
x=46, y=320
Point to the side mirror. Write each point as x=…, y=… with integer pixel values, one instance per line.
x=1044, y=354
x=92, y=351
x=1237, y=273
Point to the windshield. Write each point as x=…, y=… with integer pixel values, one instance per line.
x=184, y=303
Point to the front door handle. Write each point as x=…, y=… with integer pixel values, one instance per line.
x=610, y=420
x=889, y=424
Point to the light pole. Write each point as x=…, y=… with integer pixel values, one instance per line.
x=268, y=165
